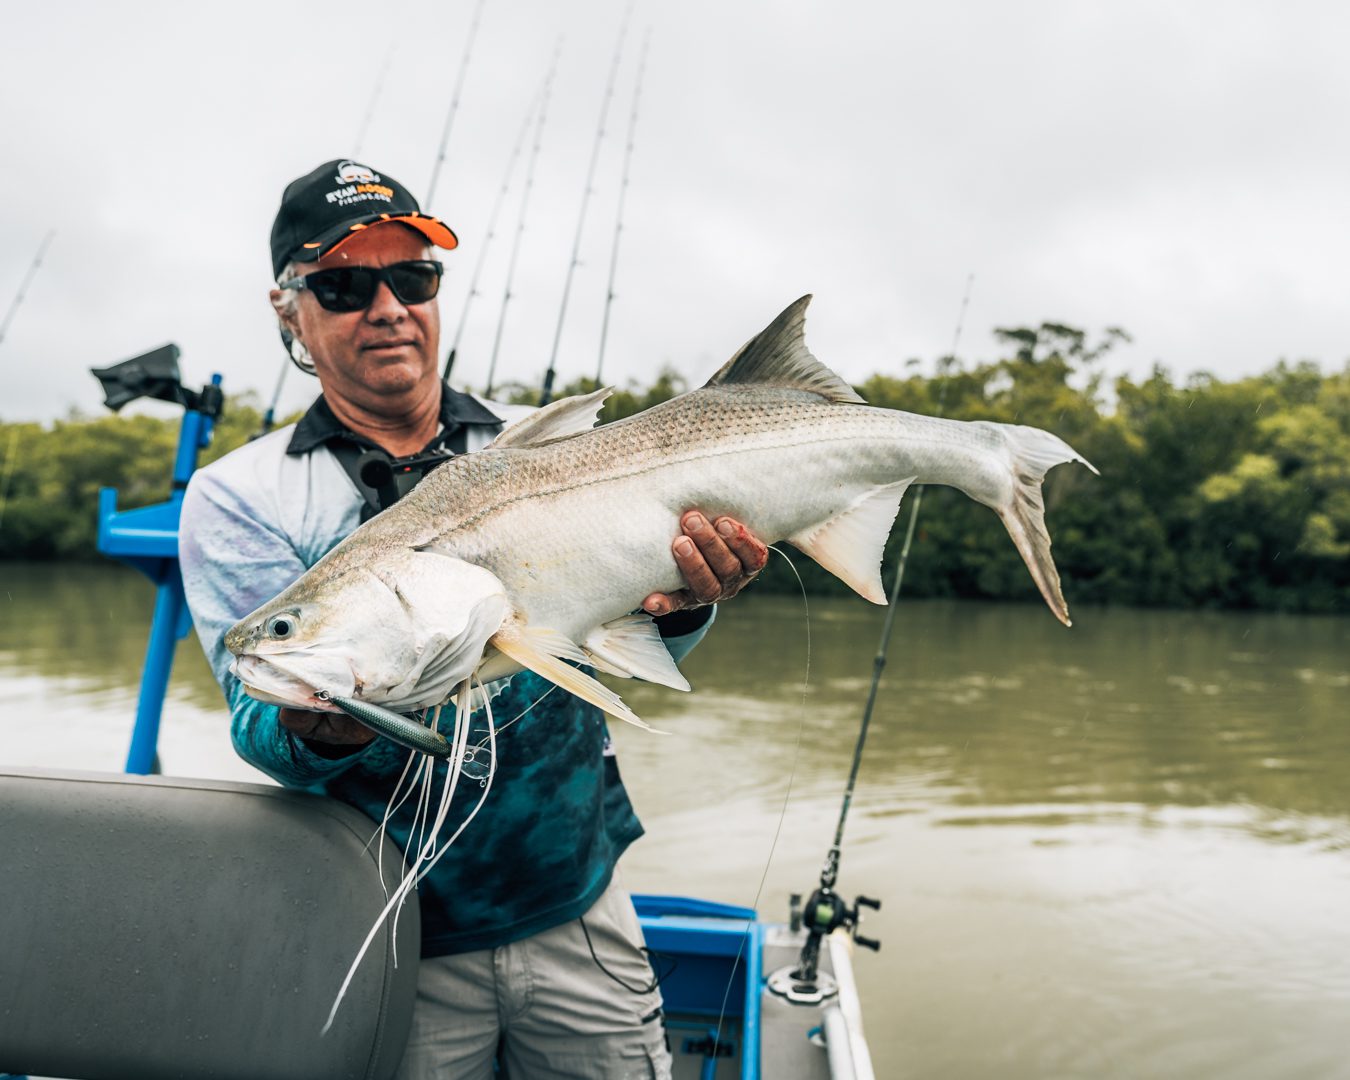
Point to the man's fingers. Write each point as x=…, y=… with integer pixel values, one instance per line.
x=716, y=559
x=702, y=558
x=660, y=603
x=325, y=727
x=718, y=564
x=748, y=549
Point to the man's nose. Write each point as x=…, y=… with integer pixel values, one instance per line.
x=384, y=305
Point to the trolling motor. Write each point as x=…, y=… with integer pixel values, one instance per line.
x=155, y=375
x=147, y=537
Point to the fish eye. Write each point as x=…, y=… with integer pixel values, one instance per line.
x=280, y=627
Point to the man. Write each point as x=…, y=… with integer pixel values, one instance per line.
x=527, y=940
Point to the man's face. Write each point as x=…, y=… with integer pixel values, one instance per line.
x=373, y=358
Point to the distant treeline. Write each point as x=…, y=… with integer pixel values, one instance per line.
x=1212, y=494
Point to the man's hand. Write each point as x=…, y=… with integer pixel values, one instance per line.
x=334, y=729
x=717, y=560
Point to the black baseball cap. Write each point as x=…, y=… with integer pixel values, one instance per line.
x=339, y=198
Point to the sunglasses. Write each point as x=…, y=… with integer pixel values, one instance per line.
x=352, y=288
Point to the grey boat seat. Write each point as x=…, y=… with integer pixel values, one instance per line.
x=158, y=927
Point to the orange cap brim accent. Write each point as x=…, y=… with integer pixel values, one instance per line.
x=435, y=230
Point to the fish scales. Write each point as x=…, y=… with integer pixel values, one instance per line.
x=779, y=460
x=537, y=548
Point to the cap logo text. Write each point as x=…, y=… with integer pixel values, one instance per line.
x=351, y=172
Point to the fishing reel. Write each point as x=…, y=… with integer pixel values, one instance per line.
x=155, y=375
x=825, y=912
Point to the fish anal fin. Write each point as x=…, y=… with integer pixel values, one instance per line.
x=778, y=356
x=542, y=651
x=851, y=543
x=631, y=647
x=567, y=416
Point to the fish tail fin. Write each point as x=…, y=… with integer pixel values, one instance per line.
x=1035, y=453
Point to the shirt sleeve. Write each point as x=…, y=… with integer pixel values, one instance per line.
x=680, y=646
x=232, y=562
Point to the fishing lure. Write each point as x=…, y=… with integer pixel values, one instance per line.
x=401, y=729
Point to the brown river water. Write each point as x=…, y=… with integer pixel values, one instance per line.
x=1117, y=850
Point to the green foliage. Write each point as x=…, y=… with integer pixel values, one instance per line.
x=50, y=477
x=1212, y=494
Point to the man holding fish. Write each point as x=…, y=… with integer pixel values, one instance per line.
x=527, y=939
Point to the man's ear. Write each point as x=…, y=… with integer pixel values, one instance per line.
x=285, y=306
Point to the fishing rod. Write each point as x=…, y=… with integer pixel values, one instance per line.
x=270, y=416
x=454, y=103
x=547, y=394
x=623, y=192
x=491, y=230
x=374, y=97
x=547, y=95
x=825, y=910
x=11, y=452
x=23, y=285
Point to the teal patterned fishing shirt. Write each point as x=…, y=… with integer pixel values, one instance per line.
x=556, y=817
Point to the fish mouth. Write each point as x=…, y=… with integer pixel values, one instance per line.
x=275, y=682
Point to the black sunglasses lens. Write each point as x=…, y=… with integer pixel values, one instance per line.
x=342, y=290
x=350, y=289
x=414, y=282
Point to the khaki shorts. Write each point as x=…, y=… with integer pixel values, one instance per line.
x=556, y=1013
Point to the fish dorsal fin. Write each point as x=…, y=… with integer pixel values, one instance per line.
x=631, y=647
x=850, y=544
x=543, y=652
x=778, y=356
x=567, y=416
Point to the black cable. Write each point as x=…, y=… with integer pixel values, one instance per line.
x=657, y=978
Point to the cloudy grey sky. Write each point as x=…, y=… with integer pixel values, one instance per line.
x=1177, y=169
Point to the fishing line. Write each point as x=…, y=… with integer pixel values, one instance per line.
x=417, y=832
x=521, y=715
x=486, y=784
x=392, y=807
x=787, y=795
x=411, y=878
x=413, y=755
x=426, y=844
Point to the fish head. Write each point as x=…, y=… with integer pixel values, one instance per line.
x=400, y=630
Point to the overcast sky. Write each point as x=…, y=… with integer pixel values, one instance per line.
x=1176, y=169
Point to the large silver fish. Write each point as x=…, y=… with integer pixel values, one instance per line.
x=538, y=549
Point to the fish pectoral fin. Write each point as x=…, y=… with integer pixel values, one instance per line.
x=851, y=543
x=631, y=647
x=543, y=652
x=567, y=416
